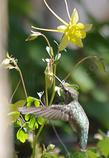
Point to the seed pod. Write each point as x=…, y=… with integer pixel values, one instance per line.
x=49, y=73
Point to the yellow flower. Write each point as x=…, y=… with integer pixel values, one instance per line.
x=73, y=31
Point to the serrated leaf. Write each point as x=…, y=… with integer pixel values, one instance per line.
x=32, y=122
x=14, y=115
x=103, y=146
x=37, y=102
x=22, y=136
x=41, y=120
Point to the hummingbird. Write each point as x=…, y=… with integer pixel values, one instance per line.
x=73, y=113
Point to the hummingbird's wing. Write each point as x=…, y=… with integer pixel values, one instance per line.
x=55, y=112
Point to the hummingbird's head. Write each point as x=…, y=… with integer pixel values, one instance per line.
x=70, y=89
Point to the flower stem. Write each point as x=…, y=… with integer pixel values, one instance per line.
x=54, y=83
x=67, y=9
x=42, y=29
x=23, y=83
x=54, y=13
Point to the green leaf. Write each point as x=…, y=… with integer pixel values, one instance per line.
x=78, y=155
x=14, y=115
x=30, y=99
x=91, y=154
x=19, y=122
x=22, y=136
x=37, y=102
x=103, y=146
x=16, y=105
x=29, y=104
x=41, y=120
x=36, y=125
x=20, y=103
x=32, y=122
x=27, y=117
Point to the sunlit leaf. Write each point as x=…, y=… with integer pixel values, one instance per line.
x=14, y=115
x=16, y=105
x=30, y=99
x=37, y=102
x=20, y=103
x=41, y=120
x=103, y=146
x=27, y=117
x=32, y=122
x=36, y=125
x=22, y=136
x=29, y=104
x=91, y=154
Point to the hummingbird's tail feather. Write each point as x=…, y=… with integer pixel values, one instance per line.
x=84, y=135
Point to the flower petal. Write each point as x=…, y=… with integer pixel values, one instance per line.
x=77, y=42
x=61, y=28
x=88, y=27
x=74, y=17
x=81, y=25
x=63, y=43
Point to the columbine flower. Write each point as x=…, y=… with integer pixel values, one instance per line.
x=73, y=32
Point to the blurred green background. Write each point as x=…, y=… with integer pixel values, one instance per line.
x=92, y=79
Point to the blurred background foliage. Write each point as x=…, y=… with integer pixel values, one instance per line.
x=93, y=81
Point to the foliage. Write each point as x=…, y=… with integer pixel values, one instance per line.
x=86, y=73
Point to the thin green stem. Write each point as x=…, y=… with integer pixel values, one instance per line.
x=42, y=29
x=54, y=83
x=39, y=132
x=15, y=91
x=54, y=13
x=41, y=128
x=23, y=83
x=67, y=9
x=46, y=91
